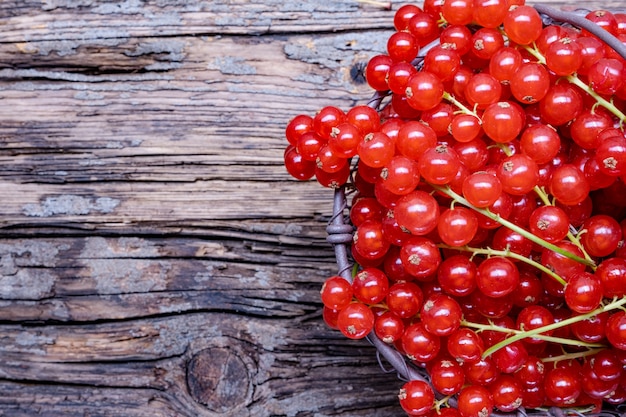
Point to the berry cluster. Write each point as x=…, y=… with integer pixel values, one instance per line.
x=489, y=206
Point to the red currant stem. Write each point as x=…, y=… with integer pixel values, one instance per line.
x=573, y=79
x=583, y=23
x=573, y=355
x=508, y=254
x=464, y=109
x=528, y=235
x=541, y=193
x=617, y=303
x=524, y=334
x=442, y=402
x=599, y=99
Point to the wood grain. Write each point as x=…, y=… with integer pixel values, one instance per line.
x=155, y=258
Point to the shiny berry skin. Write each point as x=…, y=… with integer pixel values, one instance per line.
x=504, y=63
x=564, y=56
x=482, y=189
x=611, y=156
x=441, y=315
x=562, y=386
x=419, y=344
x=569, y=185
x=418, y=212
x=482, y=90
x=523, y=25
x=424, y=91
x=420, y=257
x=377, y=71
x=550, y=223
x=401, y=175
x=405, y=299
x=612, y=274
x=447, y=376
x=416, y=397
x=511, y=357
x=606, y=76
x=490, y=13
x=530, y=83
x=503, y=121
x=583, y=292
x=458, y=12
x=497, y=276
x=518, y=174
x=442, y=61
x=603, y=234
x=376, y=149
x=415, y=138
x=561, y=104
x=439, y=164
x=507, y=393
x=368, y=240
x=297, y=166
x=606, y=365
x=370, y=286
x=540, y=142
x=459, y=36
x=355, y=321
x=344, y=140
x=336, y=293
x=388, y=327
x=533, y=317
x=364, y=118
x=424, y=27
x=457, y=275
x=457, y=226
x=475, y=401
x=297, y=126
x=403, y=15
x=465, y=345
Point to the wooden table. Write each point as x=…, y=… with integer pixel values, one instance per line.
x=155, y=258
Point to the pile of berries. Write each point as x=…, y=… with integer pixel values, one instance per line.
x=488, y=184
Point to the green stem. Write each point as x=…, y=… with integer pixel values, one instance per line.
x=573, y=79
x=447, y=191
x=543, y=196
x=599, y=99
x=573, y=355
x=464, y=109
x=535, y=332
x=524, y=333
x=508, y=254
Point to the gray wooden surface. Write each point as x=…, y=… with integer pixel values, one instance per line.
x=155, y=258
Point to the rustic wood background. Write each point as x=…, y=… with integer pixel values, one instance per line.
x=155, y=258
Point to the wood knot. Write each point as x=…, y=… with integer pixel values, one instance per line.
x=218, y=379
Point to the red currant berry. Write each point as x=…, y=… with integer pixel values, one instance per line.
x=370, y=286
x=424, y=91
x=583, y=292
x=475, y=401
x=416, y=398
x=441, y=315
x=523, y=25
x=417, y=212
x=355, y=321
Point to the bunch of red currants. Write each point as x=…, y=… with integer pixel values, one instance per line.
x=488, y=180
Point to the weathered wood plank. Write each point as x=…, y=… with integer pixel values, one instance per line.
x=155, y=258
